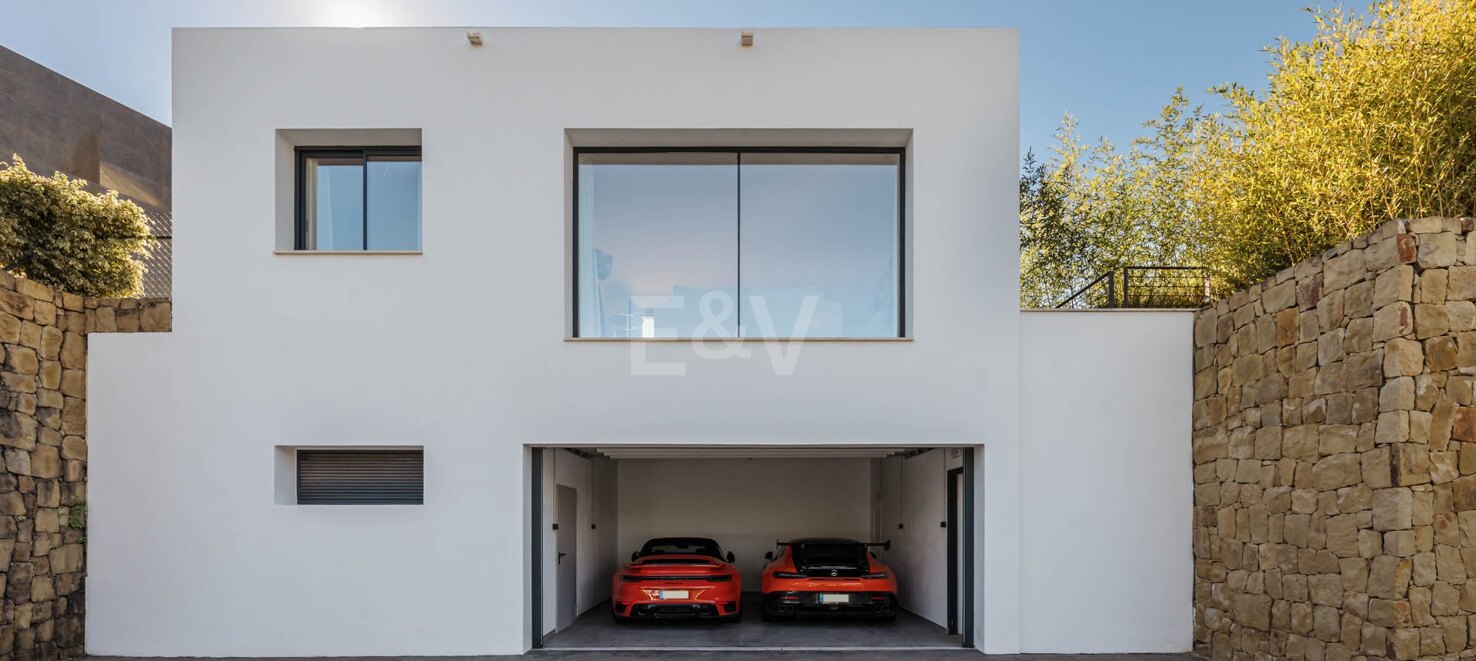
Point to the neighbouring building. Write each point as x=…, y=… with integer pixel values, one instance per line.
x=462, y=317
x=58, y=125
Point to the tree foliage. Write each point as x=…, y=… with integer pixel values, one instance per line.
x=1373, y=118
x=1093, y=209
x=54, y=231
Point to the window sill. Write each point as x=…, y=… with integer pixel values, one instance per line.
x=670, y=340
x=347, y=252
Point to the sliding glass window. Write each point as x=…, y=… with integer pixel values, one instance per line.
x=739, y=243
x=357, y=199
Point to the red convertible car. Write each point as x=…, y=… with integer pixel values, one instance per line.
x=828, y=575
x=677, y=577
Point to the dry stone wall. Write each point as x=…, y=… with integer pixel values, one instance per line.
x=43, y=458
x=1335, y=454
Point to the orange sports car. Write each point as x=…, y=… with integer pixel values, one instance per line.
x=677, y=577
x=826, y=575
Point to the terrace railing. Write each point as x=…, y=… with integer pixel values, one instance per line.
x=1144, y=287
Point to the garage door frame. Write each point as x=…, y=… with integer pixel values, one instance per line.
x=535, y=482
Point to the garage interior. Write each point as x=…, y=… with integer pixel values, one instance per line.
x=595, y=506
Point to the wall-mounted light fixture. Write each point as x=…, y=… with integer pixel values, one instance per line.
x=474, y=37
x=746, y=38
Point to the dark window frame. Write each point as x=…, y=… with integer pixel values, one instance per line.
x=902, y=219
x=302, y=154
x=418, y=498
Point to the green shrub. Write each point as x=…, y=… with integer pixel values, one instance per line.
x=54, y=231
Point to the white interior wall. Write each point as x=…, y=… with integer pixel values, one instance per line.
x=914, y=494
x=1105, y=544
x=594, y=480
x=745, y=504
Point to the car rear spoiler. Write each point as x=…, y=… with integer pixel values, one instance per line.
x=885, y=546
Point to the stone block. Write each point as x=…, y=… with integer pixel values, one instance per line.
x=1431, y=320
x=1400, y=544
x=1393, y=427
x=1431, y=287
x=1397, y=394
x=1334, y=471
x=1393, y=320
x=1389, y=612
x=1461, y=283
x=1343, y=270
x=1438, y=250
x=1403, y=357
x=1254, y=611
x=1393, y=285
x=1393, y=509
x=1377, y=467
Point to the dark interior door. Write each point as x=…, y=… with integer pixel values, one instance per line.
x=955, y=496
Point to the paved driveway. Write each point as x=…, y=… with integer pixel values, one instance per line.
x=876, y=655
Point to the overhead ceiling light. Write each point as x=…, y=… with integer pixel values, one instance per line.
x=746, y=38
x=474, y=37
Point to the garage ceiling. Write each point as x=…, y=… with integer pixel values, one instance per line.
x=751, y=452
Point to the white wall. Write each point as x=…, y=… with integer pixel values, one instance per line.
x=1107, y=563
x=913, y=494
x=594, y=481
x=745, y=504
x=461, y=349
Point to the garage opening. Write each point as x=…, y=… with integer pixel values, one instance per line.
x=666, y=548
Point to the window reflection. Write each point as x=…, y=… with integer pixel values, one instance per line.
x=335, y=205
x=656, y=235
x=394, y=203
x=360, y=199
x=723, y=244
x=820, y=245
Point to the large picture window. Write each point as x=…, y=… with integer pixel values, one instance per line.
x=760, y=243
x=358, y=199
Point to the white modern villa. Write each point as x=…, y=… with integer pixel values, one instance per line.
x=462, y=316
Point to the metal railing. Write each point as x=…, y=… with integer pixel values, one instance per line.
x=1144, y=287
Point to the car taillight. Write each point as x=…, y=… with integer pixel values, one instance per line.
x=787, y=574
x=876, y=575
x=626, y=578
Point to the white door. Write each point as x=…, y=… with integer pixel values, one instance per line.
x=568, y=556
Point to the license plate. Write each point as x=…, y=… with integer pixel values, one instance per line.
x=676, y=594
x=835, y=599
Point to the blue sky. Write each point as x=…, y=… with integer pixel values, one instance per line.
x=1112, y=63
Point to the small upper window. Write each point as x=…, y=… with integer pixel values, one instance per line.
x=356, y=199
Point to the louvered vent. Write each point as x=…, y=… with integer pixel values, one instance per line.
x=360, y=477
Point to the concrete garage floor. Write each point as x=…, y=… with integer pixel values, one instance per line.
x=595, y=630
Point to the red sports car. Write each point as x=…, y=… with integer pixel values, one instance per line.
x=827, y=575
x=677, y=577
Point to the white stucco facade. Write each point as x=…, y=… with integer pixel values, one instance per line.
x=464, y=348
x=1106, y=495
